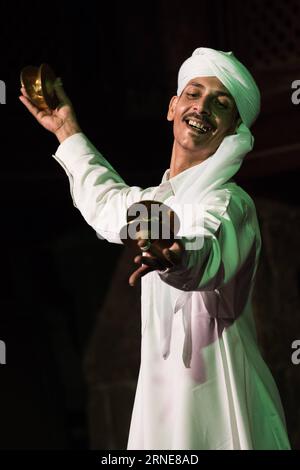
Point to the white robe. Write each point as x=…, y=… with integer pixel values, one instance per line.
x=202, y=382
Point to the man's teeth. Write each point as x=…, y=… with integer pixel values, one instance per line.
x=199, y=126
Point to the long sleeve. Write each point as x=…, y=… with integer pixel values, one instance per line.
x=97, y=190
x=228, y=244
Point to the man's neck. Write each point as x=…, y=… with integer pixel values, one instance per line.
x=182, y=159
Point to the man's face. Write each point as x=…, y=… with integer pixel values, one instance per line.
x=203, y=115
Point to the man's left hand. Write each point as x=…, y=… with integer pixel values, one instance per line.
x=156, y=257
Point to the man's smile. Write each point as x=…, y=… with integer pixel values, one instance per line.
x=198, y=126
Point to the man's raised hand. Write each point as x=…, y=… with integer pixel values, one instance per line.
x=61, y=121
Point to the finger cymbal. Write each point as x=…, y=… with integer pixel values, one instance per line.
x=150, y=220
x=39, y=85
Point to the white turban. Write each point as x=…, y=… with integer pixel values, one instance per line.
x=206, y=62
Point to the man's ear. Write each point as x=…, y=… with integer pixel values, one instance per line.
x=172, y=106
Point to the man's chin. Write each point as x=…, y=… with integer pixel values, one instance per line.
x=195, y=143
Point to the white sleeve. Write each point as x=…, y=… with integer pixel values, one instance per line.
x=96, y=188
x=231, y=242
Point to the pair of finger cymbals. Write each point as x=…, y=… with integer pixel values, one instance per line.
x=39, y=85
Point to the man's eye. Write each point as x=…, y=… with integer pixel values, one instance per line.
x=193, y=95
x=222, y=105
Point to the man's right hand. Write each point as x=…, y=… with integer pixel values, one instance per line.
x=60, y=121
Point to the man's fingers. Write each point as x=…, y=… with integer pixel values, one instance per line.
x=31, y=108
x=173, y=254
x=24, y=92
x=143, y=243
x=149, y=261
x=141, y=271
x=153, y=249
x=156, y=259
x=177, y=247
x=138, y=259
x=169, y=256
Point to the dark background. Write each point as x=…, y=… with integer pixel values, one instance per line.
x=64, y=304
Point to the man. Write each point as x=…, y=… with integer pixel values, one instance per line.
x=202, y=382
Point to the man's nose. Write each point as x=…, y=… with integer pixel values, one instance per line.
x=201, y=106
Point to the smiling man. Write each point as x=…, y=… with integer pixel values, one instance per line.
x=203, y=115
x=202, y=382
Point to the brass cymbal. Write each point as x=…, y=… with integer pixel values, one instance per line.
x=152, y=220
x=39, y=85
